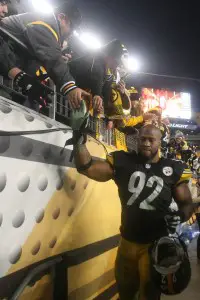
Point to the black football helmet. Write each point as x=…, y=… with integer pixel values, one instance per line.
x=170, y=265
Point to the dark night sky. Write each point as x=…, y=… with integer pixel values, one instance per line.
x=164, y=35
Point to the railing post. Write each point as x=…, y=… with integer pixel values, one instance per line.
x=33, y=273
x=52, y=109
x=1, y=79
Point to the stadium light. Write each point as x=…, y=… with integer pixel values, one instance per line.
x=133, y=64
x=89, y=40
x=75, y=33
x=42, y=6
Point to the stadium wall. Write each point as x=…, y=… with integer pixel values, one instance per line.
x=48, y=210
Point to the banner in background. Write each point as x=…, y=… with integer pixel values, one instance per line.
x=183, y=126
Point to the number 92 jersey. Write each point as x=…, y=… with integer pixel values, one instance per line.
x=146, y=192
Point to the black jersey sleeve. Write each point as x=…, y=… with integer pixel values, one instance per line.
x=115, y=159
x=182, y=172
x=120, y=161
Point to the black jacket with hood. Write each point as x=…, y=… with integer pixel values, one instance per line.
x=41, y=34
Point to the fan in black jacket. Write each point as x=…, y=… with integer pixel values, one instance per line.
x=97, y=73
x=43, y=35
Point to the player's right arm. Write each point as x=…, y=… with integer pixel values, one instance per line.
x=97, y=170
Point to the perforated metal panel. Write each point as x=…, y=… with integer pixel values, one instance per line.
x=28, y=178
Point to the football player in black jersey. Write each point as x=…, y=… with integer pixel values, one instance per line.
x=147, y=185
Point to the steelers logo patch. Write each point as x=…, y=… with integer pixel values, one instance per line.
x=167, y=171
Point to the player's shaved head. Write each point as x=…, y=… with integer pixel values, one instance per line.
x=151, y=129
x=149, y=142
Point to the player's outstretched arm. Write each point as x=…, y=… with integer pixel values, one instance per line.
x=183, y=198
x=94, y=169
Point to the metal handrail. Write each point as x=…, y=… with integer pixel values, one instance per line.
x=33, y=273
x=60, y=112
x=7, y=34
